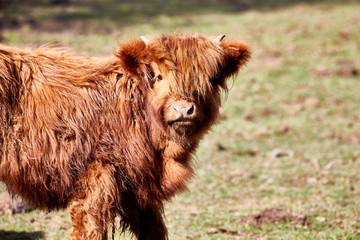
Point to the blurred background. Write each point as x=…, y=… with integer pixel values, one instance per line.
x=284, y=163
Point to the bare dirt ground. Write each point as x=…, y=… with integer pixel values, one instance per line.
x=270, y=216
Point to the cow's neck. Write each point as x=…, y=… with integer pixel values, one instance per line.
x=176, y=161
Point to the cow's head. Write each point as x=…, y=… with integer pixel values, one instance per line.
x=184, y=75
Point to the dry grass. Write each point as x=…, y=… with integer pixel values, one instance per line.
x=291, y=131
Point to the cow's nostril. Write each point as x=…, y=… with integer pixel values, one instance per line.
x=190, y=110
x=177, y=108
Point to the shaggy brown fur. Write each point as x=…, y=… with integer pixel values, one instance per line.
x=107, y=137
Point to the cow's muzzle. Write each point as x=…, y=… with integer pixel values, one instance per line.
x=184, y=117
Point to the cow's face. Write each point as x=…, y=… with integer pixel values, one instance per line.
x=185, y=75
x=181, y=114
x=184, y=114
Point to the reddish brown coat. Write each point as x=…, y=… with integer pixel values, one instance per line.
x=114, y=136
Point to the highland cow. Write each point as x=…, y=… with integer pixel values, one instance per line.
x=110, y=137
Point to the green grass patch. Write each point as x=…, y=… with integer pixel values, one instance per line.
x=299, y=96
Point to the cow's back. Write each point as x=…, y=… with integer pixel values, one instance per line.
x=49, y=124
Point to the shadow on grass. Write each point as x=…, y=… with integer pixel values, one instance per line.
x=16, y=13
x=12, y=235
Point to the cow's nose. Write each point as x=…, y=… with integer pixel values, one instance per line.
x=184, y=110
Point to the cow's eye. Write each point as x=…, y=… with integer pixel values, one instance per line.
x=217, y=78
x=160, y=78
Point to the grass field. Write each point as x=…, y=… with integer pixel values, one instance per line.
x=290, y=138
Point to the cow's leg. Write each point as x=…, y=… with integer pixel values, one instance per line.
x=92, y=207
x=86, y=223
x=151, y=225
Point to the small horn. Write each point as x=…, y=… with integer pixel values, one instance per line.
x=219, y=38
x=145, y=40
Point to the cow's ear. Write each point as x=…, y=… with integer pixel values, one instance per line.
x=133, y=56
x=236, y=55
